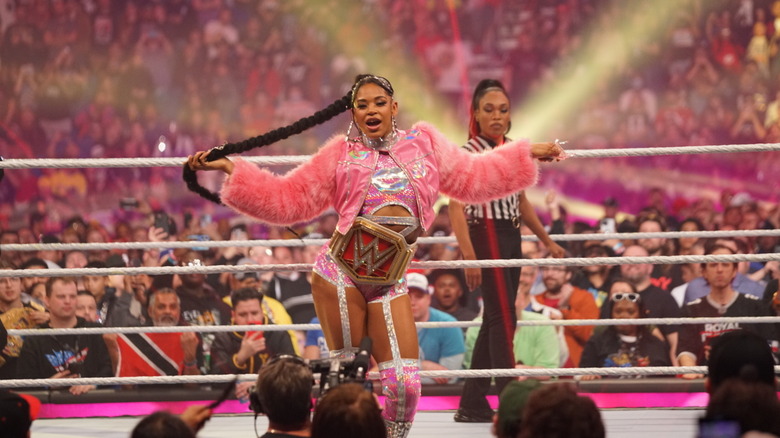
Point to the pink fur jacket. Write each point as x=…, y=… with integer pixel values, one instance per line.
x=339, y=173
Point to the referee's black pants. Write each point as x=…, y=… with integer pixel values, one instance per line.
x=496, y=239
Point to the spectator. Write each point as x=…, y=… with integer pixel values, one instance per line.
x=29, y=282
x=573, y=303
x=241, y=280
x=315, y=346
x=86, y=306
x=743, y=407
x=17, y=413
x=160, y=354
x=507, y=422
x=722, y=301
x=292, y=288
x=658, y=304
x=15, y=314
x=283, y=394
x=64, y=356
x=440, y=348
x=10, y=237
x=239, y=352
x=273, y=310
x=741, y=381
x=263, y=255
x=624, y=345
x=556, y=411
x=449, y=289
x=699, y=288
x=734, y=352
x=528, y=278
x=657, y=246
x=200, y=304
x=118, y=306
x=348, y=411
x=595, y=279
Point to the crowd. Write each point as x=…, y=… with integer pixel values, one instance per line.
x=613, y=291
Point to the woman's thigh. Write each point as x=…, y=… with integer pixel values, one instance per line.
x=329, y=312
x=400, y=324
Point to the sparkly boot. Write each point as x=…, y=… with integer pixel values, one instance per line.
x=401, y=388
x=397, y=429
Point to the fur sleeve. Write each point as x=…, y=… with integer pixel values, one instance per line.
x=300, y=195
x=477, y=178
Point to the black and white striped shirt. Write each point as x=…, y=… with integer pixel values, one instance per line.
x=504, y=208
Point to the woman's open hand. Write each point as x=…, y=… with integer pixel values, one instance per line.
x=198, y=162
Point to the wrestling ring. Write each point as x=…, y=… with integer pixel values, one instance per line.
x=630, y=407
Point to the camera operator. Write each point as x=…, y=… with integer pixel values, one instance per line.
x=283, y=394
x=65, y=356
x=348, y=411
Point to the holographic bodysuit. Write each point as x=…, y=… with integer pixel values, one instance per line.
x=389, y=186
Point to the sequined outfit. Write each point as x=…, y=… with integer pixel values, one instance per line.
x=357, y=178
x=389, y=186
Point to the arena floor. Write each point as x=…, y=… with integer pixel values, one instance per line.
x=628, y=423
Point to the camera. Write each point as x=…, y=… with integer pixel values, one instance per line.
x=333, y=372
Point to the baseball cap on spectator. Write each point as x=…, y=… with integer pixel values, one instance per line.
x=417, y=281
x=241, y=276
x=511, y=404
x=740, y=354
x=17, y=412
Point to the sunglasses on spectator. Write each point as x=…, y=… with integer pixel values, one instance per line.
x=626, y=296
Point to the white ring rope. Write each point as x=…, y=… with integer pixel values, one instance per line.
x=504, y=372
x=54, y=163
x=319, y=242
x=438, y=264
x=430, y=324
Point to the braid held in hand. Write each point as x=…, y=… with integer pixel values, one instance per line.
x=270, y=137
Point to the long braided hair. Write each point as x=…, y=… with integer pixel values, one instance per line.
x=341, y=105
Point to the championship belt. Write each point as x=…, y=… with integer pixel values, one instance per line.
x=371, y=253
x=17, y=318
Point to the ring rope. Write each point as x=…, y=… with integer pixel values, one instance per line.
x=54, y=163
x=429, y=324
x=438, y=264
x=421, y=240
x=505, y=372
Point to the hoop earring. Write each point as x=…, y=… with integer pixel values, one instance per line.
x=349, y=129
